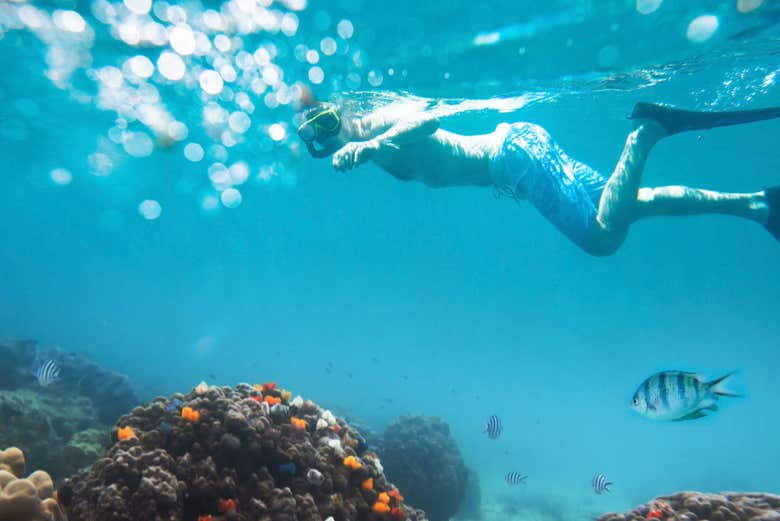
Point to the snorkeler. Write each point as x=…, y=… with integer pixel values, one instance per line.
x=522, y=161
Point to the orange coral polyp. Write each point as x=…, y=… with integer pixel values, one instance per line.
x=272, y=400
x=226, y=505
x=384, y=498
x=125, y=433
x=352, y=462
x=205, y=518
x=396, y=495
x=368, y=484
x=298, y=423
x=190, y=414
x=269, y=387
x=380, y=508
x=398, y=513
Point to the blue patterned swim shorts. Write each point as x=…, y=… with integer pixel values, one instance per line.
x=530, y=165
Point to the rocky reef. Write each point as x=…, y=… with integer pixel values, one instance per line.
x=695, y=506
x=63, y=426
x=111, y=394
x=243, y=453
x=25, y=499
x=421, y=456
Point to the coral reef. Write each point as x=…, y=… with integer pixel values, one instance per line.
x=55, y=431
x=241, y=460
x=110, y=393
x=25, y=499
x=423, y=459
x=695, y=506
x=64, y=426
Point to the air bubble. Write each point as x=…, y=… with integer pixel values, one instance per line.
x=149, y=209
x=277, y=132
x=171, y=66
x=231, y=198
x=137, y=144
x=193, y=152
x=61, y=176
x=702, y=28
x=211, y=82
x=139, y=7
x=316, y=75
x=182, y=40
x=345, y=29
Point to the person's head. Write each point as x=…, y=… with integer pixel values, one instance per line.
x=319, y=129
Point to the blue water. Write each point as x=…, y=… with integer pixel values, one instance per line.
x=444, y=302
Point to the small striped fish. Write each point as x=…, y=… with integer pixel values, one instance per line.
x=600, y=484
x=47, y=373
x=676, y=395
x=493, y=427
x=515, y=478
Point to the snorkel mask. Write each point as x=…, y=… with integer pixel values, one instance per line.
x=320, y=123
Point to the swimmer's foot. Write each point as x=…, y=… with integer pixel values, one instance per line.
x=772, y=195
x=676, y=120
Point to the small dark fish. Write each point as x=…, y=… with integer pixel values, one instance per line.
x=600, y=484
x=493, y=427
x=515, y=478
x=47, y=373
x=212, y=376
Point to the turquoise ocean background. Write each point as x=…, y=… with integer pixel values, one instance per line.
x=378, y=297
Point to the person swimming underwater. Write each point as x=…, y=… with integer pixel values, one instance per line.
x=521, y=160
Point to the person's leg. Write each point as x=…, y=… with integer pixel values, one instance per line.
x=618, y=203
x=682, y=200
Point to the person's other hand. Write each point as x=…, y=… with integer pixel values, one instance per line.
x=353, y=154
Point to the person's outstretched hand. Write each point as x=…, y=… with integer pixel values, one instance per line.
x=353, y=154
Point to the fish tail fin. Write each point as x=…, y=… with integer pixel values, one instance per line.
x=716, y=386
x=607, y=485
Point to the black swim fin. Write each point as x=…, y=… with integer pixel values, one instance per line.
x=676, y=120
x=772, y=195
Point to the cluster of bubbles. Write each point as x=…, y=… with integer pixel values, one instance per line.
x=219, y=83
x=704, y=26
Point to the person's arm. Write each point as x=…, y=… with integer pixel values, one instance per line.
x=401, y=133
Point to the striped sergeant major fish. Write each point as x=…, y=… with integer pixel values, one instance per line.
x=493, y=427
x=515, y=478
x=600, y=484
x=677, y=395
x=47, y=373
